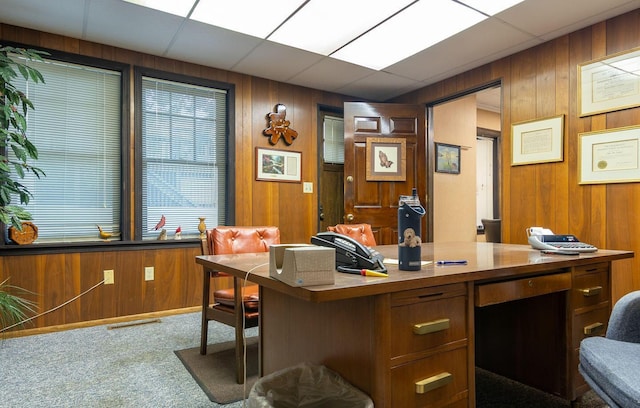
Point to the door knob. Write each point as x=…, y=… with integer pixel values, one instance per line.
x=350, y=217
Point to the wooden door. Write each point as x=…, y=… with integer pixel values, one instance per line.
x=331, y=170
x=371, y=200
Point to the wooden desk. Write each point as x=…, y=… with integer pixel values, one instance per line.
x=510, y=309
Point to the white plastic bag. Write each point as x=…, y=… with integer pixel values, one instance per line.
x=306, y=385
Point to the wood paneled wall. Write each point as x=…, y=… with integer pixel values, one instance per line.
x=542, y=82
x=59, y=277
x=536, y=83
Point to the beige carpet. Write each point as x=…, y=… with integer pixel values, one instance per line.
x=215, y=372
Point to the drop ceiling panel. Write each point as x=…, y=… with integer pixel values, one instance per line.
x=59, y=17
x=130, y=26
x=379, y=86
x=474, y=47
x=275, y=61
x=212, y=46
x=549, y=19
x=330, y=74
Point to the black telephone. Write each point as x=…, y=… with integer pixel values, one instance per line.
x=351, y=255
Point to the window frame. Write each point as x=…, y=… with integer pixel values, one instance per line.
x=138, y=73
x=125, y=171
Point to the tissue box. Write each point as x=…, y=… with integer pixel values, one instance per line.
x=302, y=265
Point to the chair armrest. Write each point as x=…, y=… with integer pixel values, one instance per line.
x=624, y=324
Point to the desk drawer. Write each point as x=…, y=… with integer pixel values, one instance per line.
x=500, y=292
x=424, y=325
x=589, y=324
x=431, y=382
x=590, y=287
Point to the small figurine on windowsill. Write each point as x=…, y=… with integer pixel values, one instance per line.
x=106, y=235
x=163, y=235
x=178, y=234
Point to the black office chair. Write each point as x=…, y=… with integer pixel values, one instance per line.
x=492, y=230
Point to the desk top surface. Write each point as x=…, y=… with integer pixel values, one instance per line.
x=485, y=262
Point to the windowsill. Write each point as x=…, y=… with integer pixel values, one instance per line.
x=94, y=246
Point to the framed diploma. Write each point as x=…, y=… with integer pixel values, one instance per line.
x=609, y=156
x=610, y=83
x=537, y=141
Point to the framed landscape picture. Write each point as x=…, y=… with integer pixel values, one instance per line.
x=278, y=165
x=447, y=158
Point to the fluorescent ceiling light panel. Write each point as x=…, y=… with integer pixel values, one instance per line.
x=419, y=26
x=323, y=26
x=253, y=17
x=491, y=7
x=179, y=8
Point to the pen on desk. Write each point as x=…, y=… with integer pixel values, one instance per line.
x=363, y=272
x=369, y=272
x=456, y=262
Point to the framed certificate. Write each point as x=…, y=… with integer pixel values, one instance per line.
x=537, y=141
x=609, y=156
x=610, y=83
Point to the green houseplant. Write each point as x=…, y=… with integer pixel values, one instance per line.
x=14, y=106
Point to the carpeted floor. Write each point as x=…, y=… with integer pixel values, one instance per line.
x=137, y=367
x=494, y=391
x=97, y=367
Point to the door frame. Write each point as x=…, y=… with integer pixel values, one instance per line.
x=430, y=153
x=323, y=110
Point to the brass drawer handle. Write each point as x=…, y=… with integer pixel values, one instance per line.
x=594, y=329
x=591, y=291
x=431, y=327
x=431, y=383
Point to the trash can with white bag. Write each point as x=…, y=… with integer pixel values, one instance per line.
x=306, y=385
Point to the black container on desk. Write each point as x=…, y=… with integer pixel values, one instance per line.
x=410, y=213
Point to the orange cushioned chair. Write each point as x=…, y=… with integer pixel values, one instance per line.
x=226, y=307
x=360, y=232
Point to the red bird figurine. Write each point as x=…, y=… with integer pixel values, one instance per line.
x=160, y=223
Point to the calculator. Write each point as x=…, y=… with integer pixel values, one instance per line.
x=560, y=242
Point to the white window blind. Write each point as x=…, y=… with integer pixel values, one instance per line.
x=333, y=128
x=76, y=129
x=184, y=134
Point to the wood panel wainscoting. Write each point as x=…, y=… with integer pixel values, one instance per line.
x=56, y=278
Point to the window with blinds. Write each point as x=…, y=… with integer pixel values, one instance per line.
x=333, y=130
x=184, y=145
x=76, y=127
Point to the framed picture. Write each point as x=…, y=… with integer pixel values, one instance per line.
x=278, y=165
x=537, y=141
x=609, y=156
x=610, y=83
x=386, y=159
x=447, y=158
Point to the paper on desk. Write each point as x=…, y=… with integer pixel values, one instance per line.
x=392, y=261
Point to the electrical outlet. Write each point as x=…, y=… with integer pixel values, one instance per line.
x=108, y=276
x=149, y=273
